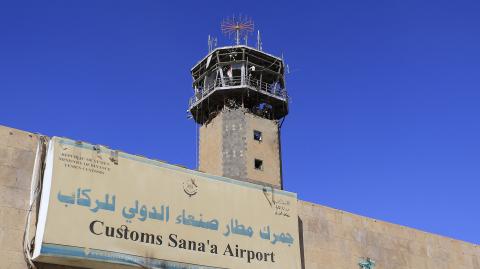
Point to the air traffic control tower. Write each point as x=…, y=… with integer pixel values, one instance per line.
x=240, y=101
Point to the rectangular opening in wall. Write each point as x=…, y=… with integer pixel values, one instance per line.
x=258, y=164
x=257, y=135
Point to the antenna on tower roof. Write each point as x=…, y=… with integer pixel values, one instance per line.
x=212, y=43
x=238, y=26
x=259, y=41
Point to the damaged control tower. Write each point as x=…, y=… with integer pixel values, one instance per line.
x=240, y=100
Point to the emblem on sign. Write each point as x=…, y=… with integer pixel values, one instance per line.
x=366, y=263
x=190, y=187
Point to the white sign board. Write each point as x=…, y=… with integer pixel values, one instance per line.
x=104, y=209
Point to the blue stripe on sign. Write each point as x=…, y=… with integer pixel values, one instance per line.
x=54, y=250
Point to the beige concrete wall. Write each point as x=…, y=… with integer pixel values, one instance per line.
x=337, y=239
x=267, y=150
x=332, y=239
x=210, y=147
x=17, y=155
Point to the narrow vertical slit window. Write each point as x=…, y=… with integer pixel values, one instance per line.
x=258, y=164
x=257, y=135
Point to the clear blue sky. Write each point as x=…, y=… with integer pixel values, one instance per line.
x=385, y=112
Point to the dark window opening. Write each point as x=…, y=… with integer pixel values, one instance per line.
x=258, y=164
x=236, y=73
x=257, y=135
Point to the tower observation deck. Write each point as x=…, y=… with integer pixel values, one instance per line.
x=239, y=76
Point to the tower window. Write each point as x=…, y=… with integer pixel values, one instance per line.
x=257, y=135
x=258, y=164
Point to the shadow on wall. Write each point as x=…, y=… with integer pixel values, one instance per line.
x=300, y=239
